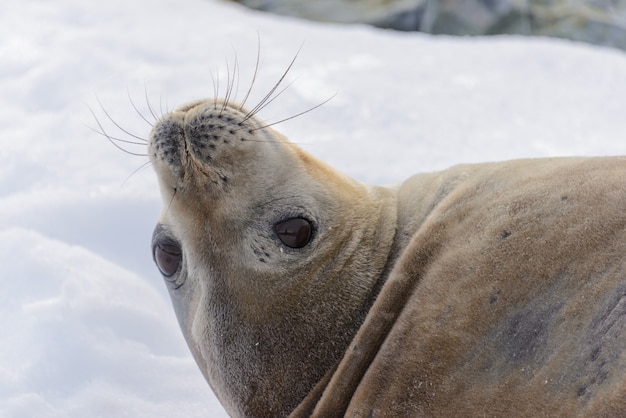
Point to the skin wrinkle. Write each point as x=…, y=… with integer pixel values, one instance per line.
x=546, y=260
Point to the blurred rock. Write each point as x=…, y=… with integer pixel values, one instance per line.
x=601, y=22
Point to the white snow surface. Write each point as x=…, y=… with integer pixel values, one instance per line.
x=86, y=324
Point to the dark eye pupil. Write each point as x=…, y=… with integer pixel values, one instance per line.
x=167, y=258
x=294, y=232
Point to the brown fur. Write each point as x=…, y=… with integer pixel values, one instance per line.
x=483, y=290
x=509, y=299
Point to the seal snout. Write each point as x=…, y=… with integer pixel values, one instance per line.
x=211, y=130
x=165, y=145
x=199, y=132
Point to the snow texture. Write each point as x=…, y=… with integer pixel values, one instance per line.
x=87, y=327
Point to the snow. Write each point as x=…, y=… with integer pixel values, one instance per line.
x=87, y=328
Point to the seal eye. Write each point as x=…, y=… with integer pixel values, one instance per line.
x=294, y=232
x=167, y=258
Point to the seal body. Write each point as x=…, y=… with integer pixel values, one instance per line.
x=494, y=289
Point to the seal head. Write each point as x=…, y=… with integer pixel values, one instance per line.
x=272, y=258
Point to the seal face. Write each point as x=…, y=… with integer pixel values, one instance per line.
x=272, y=259
x=489, y=289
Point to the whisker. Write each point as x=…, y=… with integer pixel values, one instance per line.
x=118, y=125
x=132, y=103
x=145, y=90
x=161, y=105
x=214, y=88
x=111, y=139
x=124, y=141
x=256, y=71
x=230, y=83
x=167, y=105
x=135, y=171
x=275, y=142
x=275, y=96
x=171, y=201
x=271, y=92
x=229, y=88
x=217, y=89
x=296, y=115
x=234, y=82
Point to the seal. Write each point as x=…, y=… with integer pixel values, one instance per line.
x=491, y=289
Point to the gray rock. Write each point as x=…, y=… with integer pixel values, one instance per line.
x=396, y=14
x=601, y=22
